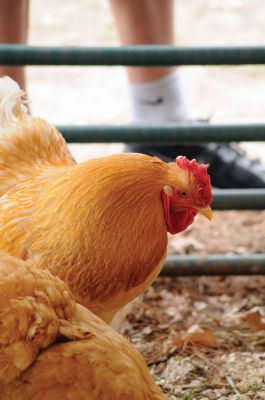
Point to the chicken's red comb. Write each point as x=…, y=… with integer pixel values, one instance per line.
x=199, y=171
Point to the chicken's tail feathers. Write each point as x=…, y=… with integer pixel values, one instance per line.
x=26, y=143
x=12, y=101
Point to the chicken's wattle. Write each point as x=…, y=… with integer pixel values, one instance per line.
x=177, y=219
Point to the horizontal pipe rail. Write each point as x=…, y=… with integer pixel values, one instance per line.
x=148, y=55
x=219, y=264
x=163, y=134
x=238, y=199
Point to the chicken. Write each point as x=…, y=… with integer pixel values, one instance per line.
x=101, y=226
x=51, y=347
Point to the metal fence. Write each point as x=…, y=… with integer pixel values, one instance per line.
x=236, y=199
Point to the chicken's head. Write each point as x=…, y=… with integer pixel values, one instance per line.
x=188, y=193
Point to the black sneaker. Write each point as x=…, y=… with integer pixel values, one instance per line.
x=229, y=166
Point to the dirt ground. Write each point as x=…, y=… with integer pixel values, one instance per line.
x=203, y=338
x=195, y=333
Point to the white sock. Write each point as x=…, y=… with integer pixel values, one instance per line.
x=158, y=101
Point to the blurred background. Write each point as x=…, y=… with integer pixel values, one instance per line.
x=98, y=95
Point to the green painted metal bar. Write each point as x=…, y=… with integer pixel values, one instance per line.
x=218, y=264
x=163, y=134
x=238, y=199
x=151, y=55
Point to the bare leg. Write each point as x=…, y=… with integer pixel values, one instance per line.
x=14, y=29
x=144, y=22
x=155, y=92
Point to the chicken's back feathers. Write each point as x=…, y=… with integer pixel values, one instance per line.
x=92, y=362
x=27, y=145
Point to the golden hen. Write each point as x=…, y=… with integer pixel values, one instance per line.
x=101, y=226
x=52, y=348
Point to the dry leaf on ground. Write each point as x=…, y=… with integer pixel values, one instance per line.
x=254, y=319
x=200, y=339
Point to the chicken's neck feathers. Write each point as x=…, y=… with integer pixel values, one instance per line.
x=107, y=223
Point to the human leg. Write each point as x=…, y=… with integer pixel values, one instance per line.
x=14, y=29
x=157, y=96
x=144, y=22
x=155, y=92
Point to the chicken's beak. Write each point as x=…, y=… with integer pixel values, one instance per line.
x=206, y=212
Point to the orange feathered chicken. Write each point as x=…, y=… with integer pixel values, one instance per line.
x=52, y=348
x=101, y=226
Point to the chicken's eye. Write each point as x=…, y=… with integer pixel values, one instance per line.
x=183, y=194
